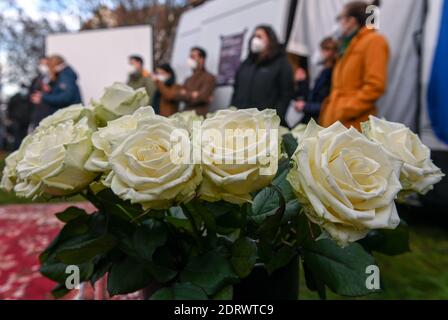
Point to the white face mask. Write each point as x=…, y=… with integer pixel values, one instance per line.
x=317, y=58
x=257, y=45
x=60, y=67
x=337, y=32
x=162, y=77
x=132, y=69
x=192, y=64
x=43, y=69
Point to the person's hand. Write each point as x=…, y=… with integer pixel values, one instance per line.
x=36, y=98
x=195, y=94
x=300, y=75
x=46, y=88
x=300, y=105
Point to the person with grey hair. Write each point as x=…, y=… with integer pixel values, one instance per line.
x=65, y=90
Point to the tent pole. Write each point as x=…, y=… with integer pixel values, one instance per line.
x=418, y=40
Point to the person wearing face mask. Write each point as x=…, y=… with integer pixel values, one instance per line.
x=265, y=79
x=197, y=91
x=139, y=77
x=64, y=90
x=311, y=105
x=41, y=83
x=164, y=101
x=18, y=113
x=360, y=74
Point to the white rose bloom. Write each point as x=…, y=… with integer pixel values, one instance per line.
x=51, y=160
x=9, y=172
x=143, y=170
x=119, y=100
x=298, y=131
x=107, y=138
x=346, y=183
x=186, y=119
x=418, y=173
x=232, y=170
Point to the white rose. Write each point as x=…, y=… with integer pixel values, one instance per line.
x=119, y=100
x=418, y=173
x=186, y=119
x=9, y=172
x=298, y=131
x=345, y=182
x=107, y=138
x=233, y=171
x=51, y=160
x=144, y=172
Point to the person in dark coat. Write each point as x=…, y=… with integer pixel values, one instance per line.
x=164, y=101
x=65, y=91
x=41, y=83
x=312, y=105
x=18, y=112
x=265, y=79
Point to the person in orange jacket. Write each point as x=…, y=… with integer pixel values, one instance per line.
x=360, y=75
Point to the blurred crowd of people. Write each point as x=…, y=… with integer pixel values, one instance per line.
x=54, y=87
x=353, y=76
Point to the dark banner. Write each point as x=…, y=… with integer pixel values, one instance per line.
x=230, y=58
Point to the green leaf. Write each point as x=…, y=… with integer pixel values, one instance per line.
x=389, y=242
x=281, y=258
x=290, y=144
x=265, y=204
x=56, y=271
x=101, y=268
x=313, y=283
x=128, y=276
x=148, y=237
x=225, y=294
x=71, y=230
x=211, y=272
x=180, y=291
x=59, y=291
x=244, y=256
x=180, y=224
x=87, y=250
x=70, y=214
x=202, y=211
x=343, y=270
x=271, y=225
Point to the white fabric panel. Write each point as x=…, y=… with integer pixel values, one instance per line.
x=431, y=36
x=399, y=22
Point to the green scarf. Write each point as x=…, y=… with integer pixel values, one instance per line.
x=345, y=42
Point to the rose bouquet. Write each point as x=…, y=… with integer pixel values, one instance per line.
x=196, y=208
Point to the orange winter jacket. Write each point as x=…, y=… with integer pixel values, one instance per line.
x=359, y=80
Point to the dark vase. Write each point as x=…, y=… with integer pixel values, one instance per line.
x=283, y=284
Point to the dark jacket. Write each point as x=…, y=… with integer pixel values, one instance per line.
x=321, y=90
x=19, y=108
x=65, y=91
x=42, y=110
x=264, y=85
x=165, y=98
x=204, y=83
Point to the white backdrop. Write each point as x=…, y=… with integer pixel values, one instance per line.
x=205, y=25
x=100, y=57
